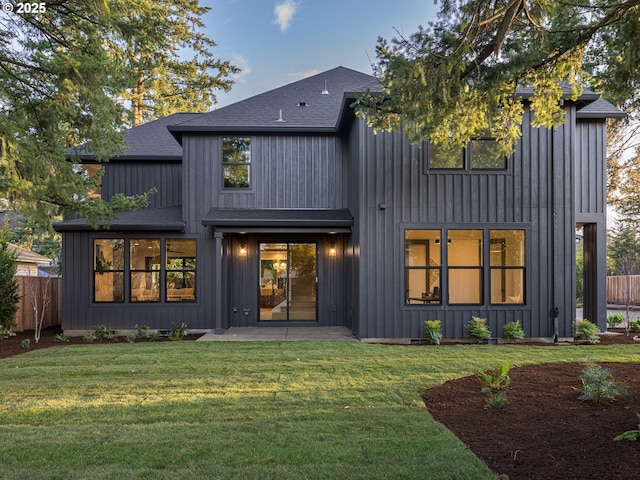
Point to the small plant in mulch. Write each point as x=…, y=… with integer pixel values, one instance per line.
x=495, y=384
x=513, y=331
x=631, y=435
x=140, y=332
x=101, y=332
x=61, y=337
x=178, y=331
x=599, y=385
x=26, y=344
x=586, y=331
x=478, y=329
x=433, y=331
x=615, y=319
x=5, y=332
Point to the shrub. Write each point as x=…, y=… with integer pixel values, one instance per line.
x=8, y=286
x=61, y=337
x=586, y=330
x=5, y=332
x=101, y=332
x=513, y=331
x=26, y=343
x=495, y=384
x=599, y=385
x=433, y=331
x=615, y=319
x=634, y=325
x=631, y=435
x=478, y=329
x=178, y=331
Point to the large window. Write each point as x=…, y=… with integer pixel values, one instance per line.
x=465, y=266
x=462, y=279
x=422, y=266
x=140, y=268
x=236, y=162
x=108, y=270
x=507, y=266
x=144, y=270
x=181, y=270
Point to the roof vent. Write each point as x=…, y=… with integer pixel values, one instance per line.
x=302, y=104
x=324, y=90
x=280, y=119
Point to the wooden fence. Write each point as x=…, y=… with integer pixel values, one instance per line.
x=47, y=289
x=623, y=289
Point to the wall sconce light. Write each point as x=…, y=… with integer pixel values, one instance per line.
x=243, y=248
x=332, y=247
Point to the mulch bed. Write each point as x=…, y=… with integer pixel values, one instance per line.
x=544, y=432
x=13, y=345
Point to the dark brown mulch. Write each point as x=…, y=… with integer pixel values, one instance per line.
x=545, y=431
x=13, y=345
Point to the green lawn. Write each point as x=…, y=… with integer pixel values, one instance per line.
x=208, y=410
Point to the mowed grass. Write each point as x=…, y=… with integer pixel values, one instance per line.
x=272, y=410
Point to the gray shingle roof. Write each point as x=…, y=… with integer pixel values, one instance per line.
x=298, y=106
x=600, y=108
x=149, y=141
x=145, y=219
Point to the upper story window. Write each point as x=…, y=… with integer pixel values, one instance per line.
x=92, y=174
x=479, y=154
x=236, y=162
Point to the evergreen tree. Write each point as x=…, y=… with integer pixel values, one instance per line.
x=64, y=74
x=456, y=78
x=8, y=286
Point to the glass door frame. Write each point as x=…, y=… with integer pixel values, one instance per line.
x=276, y=293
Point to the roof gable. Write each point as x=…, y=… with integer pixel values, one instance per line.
x=312, y=104
x=149, y=141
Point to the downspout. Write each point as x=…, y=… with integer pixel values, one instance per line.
x=554, y=232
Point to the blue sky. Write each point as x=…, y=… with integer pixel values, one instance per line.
x=276, y=42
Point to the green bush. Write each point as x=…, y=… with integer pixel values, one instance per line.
x=634, y=325
x=8, y=286
x=478, y=329
x=513, y=331
x=178, y=331
x=433, y=331
x=586, y=330
x=615, y=319
x=599, y=385
x=5, y=332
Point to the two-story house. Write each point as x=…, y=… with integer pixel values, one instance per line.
x=285, y=209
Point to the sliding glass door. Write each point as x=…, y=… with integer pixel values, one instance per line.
x=288, y=281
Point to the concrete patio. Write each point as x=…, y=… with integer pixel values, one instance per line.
x=280, y=334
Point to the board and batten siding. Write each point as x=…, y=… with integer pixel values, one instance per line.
x=135, y=178
x=591, y=213
x=397, y=192
x=79, y=313
x=287, y=171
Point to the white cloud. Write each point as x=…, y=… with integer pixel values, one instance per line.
x=244, y=66
x=284, y=12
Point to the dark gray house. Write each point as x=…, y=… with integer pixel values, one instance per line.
x=285, y=209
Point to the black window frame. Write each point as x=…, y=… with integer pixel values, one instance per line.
x=226, y=163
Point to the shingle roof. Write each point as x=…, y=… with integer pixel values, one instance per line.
x=600, y=108
x=149, y=141
x=298, y=106
x=146, y=219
